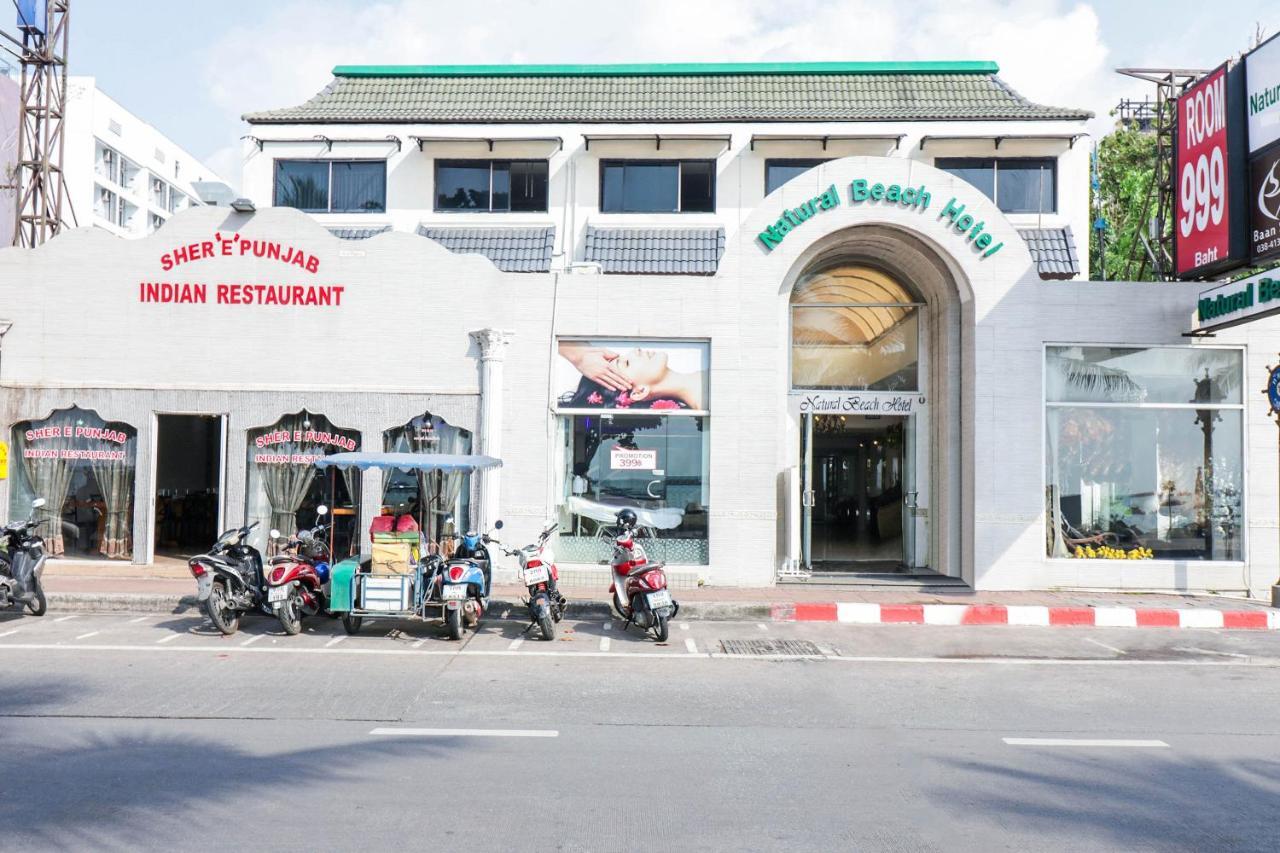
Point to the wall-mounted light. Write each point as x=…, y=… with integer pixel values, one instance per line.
x=243, y=205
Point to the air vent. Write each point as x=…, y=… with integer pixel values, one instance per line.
x=114, y=127
x=159, y=156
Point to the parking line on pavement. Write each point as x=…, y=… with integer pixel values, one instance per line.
x=65, y=618
x=684, y=626
x=762, y=626
x=168, y=639
x=604, y=644
x=691, y=646
x=335, y=640
x=419, y=643
x=515, y=644
x=1056, y=741
x=1104, y=645
x=10, y=633
x=139, y=619
x=255, y=638
x=466, y=732
x=608, y=626
x=88, y=635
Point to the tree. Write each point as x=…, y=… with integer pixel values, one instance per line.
x=1126, y=160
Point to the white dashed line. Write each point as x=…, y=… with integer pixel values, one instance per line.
x=65, y=618
x=762, y=626
x=1104, y=645
x=10, y=633
x=515, y=644
x=1052, y=741
x=604, y=644
x=335, y=640
x=465, y=732
x=684, y=626
x=1197, y=650
x=139, y=619
x=168, y=639
x=88, y=635
x=691, y=646
x=418, y=644
x=255, y=638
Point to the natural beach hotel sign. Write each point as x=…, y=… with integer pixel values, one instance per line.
x=953, y=215
x=1231, y=304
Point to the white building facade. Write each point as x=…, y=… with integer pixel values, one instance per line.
x=871, y=369
x=122, y=174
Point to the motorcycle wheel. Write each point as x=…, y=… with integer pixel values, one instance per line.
x=661, y=630
x=453, y=623
x=351, y=624
x=548, y=627
x=290, y=614
x=39, y=606
x=225, y=618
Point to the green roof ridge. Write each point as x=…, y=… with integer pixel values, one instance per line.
x=668, y=69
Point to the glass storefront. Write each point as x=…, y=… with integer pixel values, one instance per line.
x=1144, y=452
x=85, y=469
x=284, y=487
x=430, y=498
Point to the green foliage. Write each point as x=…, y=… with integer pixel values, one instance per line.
x=1126, y=169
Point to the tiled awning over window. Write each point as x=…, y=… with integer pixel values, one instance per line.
x=671, y=251
x=359, y=233
x=510, y=249
x=1053, y=250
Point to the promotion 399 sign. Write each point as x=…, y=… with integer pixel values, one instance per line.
x=1203, y=214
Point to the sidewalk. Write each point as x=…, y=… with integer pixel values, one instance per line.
x=170, y=588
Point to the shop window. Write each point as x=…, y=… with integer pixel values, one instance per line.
x=634, y=434
x=1144, y=452
x=1016, y=185
x=284, y=487
x=778, y=172
x=519, y=186
x=854, y=328
x=657, y=186
x=84, y=468
x=430, y=498
x=332, y=186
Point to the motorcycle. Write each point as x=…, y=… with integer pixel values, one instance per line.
x=464, y=582
x=230, y=579
x=22, y=559
x=538, y=572
x=639, y=592
x=297, y=575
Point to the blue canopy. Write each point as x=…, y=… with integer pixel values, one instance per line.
x=409, y=461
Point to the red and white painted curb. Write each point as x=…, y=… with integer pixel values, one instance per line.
x=862, y=613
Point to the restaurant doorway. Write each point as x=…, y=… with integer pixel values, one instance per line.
x=188, y=516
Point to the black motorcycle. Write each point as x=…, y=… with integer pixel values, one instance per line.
x=231, y=580
x=22, y=559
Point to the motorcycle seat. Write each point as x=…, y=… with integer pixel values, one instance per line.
x=645, y=567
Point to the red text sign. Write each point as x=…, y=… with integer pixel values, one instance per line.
x=1202, y=221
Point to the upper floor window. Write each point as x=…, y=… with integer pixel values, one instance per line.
x=519, y=186
x=657, y=186
x=778, y=172
x=1016, y=185
x=332, y=186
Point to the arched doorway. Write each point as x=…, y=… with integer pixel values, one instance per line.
x=859, y=367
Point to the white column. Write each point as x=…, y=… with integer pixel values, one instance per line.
x=493, y=350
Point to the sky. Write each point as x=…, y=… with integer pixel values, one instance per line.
x=191, y=69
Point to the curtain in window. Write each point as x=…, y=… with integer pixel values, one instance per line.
x=115, y=476
x=438, y=493
x=48, y=476
x=282, y=459
x=359, y=187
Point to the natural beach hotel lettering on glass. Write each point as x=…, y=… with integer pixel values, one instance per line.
x=1238, y=301
x=861, y=191
x=191, y=290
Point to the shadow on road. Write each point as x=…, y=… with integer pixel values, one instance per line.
x=1160, y=802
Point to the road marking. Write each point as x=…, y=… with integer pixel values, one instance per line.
x=691, y=646
x=65, y=618
x=604, y=644
x=418, y=644
x=1198, y=650
x=466, y=732
x=608, y=626
x=684, y=626
x=88, y=635
x=762, y=626
x=515, y=644
x=10, y=633
x=1053, y=741
x=1104, y=645
x=168, y=639
x=139, y=619
x=255, y=638
x=335, y=640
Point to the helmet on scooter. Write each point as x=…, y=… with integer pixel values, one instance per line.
x=627, y=518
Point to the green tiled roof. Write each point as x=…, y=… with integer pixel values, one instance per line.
x=898, y=91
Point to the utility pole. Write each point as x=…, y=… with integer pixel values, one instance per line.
x=42, y=49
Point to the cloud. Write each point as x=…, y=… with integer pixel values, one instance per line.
x=1049, y=50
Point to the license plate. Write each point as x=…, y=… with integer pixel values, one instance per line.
x=537, y=574
x=277, y=593
x=454, y=592
x=204, y=587
x=661, y=598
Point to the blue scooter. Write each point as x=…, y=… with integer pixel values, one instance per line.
x=465, y=581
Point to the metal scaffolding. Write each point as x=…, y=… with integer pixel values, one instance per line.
x=41, y=193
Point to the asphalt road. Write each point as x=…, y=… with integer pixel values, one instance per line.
x=153, y=733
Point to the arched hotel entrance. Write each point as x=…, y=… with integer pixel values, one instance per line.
x=874, y=381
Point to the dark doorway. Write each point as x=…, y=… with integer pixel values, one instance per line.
x=188, y=478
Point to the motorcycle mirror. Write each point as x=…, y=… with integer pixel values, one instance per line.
x=275, y=534
x=38, y=502
x=497, y=525
x=322, y=510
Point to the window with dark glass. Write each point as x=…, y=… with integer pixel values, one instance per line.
x=657, y=186
x=1017, y=185
x=492, y=185
x=332, y=186
x=778, y=172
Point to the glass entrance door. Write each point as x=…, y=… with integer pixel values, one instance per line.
x=859, y=501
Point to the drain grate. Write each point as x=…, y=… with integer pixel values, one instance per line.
x=771, y=648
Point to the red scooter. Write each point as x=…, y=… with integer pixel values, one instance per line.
x=639, y=592
x=297, y=574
